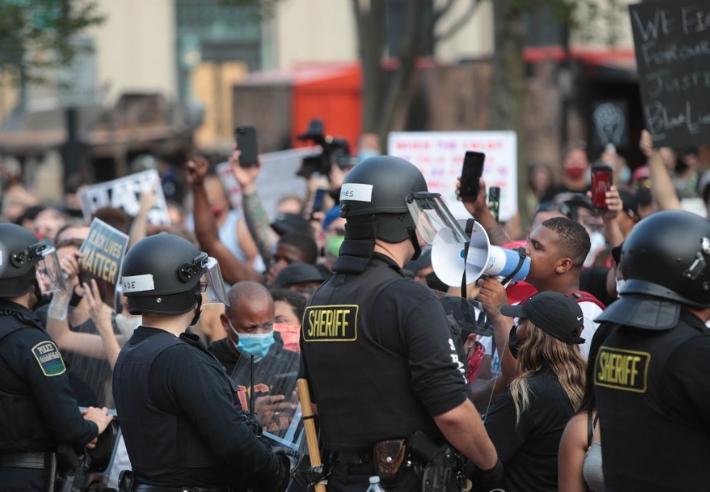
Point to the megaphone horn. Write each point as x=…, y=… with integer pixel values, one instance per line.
x=448, y=262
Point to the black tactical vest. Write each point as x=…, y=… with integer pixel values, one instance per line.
x=653, y=435
x=362, y=388
x=155, y=439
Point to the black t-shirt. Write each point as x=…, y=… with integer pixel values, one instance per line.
x=653, y=396
x=593, y=280
x=529, y=448
x=393, y=368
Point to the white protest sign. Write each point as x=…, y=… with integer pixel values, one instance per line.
x=277, y=178
x=124, y=193
x=439, y=156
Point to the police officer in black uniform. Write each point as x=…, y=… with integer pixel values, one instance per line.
x=652, y=375
x=378, y=352
x=38, y=410
x=180, y=418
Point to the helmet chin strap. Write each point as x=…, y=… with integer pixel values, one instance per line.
x=198, y=311
x=415, y=242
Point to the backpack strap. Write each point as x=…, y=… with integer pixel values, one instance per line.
x=582, y=296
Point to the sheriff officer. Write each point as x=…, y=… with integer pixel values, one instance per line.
x=377, y=350
x=38, y=410
x=651, y=375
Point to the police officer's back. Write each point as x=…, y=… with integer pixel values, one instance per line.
x=38, y=410
x=651, y=376
x=376, y=346
x=181, y=422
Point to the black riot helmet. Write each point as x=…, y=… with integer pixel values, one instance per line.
x=161, y=275
x=20, y=251
x=667, y=255
x=376, y=191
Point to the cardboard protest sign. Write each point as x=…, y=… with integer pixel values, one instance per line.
x=439, y=156
x=124, y=193
x=102, y=256
x=672, y=41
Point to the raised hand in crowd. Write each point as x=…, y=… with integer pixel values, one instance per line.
x=85, y=344
x=256, y=218
x=101, y=314
x=206, y=229
x=480, y=211
x=139, y=226
x=662, y=188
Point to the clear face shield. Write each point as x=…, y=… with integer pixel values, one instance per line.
x=433, y=220
x=48, y=269
x=212, y=284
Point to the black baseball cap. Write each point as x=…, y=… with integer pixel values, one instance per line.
x=556, y=314
x=297, y=273
x=285, y=223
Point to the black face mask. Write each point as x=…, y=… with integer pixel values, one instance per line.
x=513, y=341
x=435, y=283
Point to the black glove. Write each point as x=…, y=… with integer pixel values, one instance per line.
x=487, y=480
x=286, y=460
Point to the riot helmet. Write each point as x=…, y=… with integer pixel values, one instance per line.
x=166, y=274
x=667, y=255
x=20, y=251
x=376, y=191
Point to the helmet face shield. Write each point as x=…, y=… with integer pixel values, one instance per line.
x=49, y=271
x=212, y=284
x=433, y=220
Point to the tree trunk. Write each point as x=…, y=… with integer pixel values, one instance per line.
x=507, y=104
x=369, y=19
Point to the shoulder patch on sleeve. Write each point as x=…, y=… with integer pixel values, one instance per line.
x=49, y=358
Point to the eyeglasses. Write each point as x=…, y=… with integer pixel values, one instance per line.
x=548, y=206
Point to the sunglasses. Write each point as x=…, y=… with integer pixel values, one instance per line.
x=562, y=208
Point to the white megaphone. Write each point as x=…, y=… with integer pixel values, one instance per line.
x=448, y=259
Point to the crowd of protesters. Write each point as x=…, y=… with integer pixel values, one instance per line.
x=533, y=384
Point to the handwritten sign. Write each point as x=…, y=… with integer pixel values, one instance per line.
x=124, y=193
x=103, y=251
x=672, y=40
x=439, y=156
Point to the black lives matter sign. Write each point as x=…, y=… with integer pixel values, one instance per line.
x=102, y=256
x=672, y=41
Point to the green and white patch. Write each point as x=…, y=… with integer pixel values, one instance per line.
x=49, y=359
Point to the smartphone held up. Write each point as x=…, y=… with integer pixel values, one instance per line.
x=602, y=179
x=247, y=145
x=471, y=174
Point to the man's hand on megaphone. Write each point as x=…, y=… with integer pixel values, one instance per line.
x=493, y=296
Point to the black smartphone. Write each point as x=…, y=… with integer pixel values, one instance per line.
x=471, y=174
x=247, y=145
x=602, y=179
x=318, y=198
x=494, y=201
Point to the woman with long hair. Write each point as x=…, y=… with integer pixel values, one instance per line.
x=527, y=420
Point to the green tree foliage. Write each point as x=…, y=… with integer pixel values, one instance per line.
x=37, y=34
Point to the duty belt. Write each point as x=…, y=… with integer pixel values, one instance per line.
x=35, y=461
x=157, y=488
x=353, y=457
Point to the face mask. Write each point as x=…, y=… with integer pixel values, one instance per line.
x=128, y=324
x=574, y=172
x=625, y=175
x=256, y=344
x=365, y=154
x=435, y=283
x=619, y=285
x=513, y=341
x=333, y=244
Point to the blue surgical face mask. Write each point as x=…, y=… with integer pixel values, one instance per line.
x=256, y=344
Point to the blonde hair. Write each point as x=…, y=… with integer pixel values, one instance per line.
x=539, y=352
